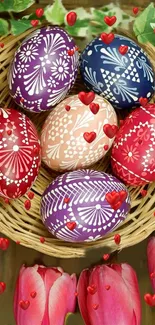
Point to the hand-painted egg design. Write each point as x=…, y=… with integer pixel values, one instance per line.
x=20, y=154
x=73, y=135
x=84, y=205
x=121, y=79
x=44, y=69
x=133, y=152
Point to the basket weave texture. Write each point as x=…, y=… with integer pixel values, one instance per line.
x=26, y=226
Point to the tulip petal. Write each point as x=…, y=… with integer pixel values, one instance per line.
x=83, y=283
x=115, y=304
x=62, y=299
x=29, y=280
x=151, y=259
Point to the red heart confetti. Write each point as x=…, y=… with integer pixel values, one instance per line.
x=24, y=304
x=77, y=48
x=107, y=287
x=123, y=195
x=95, y=306
x=94, y=108
x=106, y=147
x=89, y=136
x=42, y=240
x=34, y=22
x=110, y=130
x=22, y=100
x=71, y=225
x=1, y=45
x=135, y=10
x=70, y=52
x=92, y=289
x=33, y=294
x=117, y=205
x=30, y=195
x=143, y=101
x=17, y=242
x=86, y=98
x=2, y=287
x=117, y=239
x=149, y=299
x=39, y=12
x=66, y=200
x=107, y=38
x=7, y=201
x=76, y=294
x=152, y=275
x=123, y=49
x=71, y=18
x=36, y=150
x=106, y=257
x=140, y=141
x=1, y=136
x=143, y=193
x=4, y=243
x=9, y=132
x=27, y=204
x=110, y=20
x=115, y=199
x=67, y=108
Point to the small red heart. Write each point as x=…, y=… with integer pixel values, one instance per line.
x=143, y=192
x=123, y=49
x=36, y=150
x=107, y=38
x=34, y=22
x=30, y=195
x=76, y=294
x=94, y=108
x=39, y=12
x=22, y=100
x=92, y=289
x=2, y=287
x=66, y=200
x=135, y=10
x=42, y=240
x=70, y=52
x=33, y=294
x=112, y=198
x=121, y=122
x=106, y=147
x=71, y=18
x=17, y=242
x=71, y=225
x=4, y=243
x=140, y=141
x=110, y=130
x=149, y=299
x=1, y=45
x=106, y=257
x=110, y=20
x=107, y=287
x=6, y=201
x=76, y=48
x=95, y=306
x=123, y=195
x=9, y=132
x=24, y=304
x=152, y=275
x=27, y=204
x=143, y=101
x=117, y=205
x=86, y=98
x=67, y=108
x=89, y=136
x=117, y=239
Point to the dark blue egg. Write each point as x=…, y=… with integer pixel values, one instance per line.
x=121, y=79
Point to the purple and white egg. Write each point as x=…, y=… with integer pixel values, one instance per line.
x=44, y=69
x=74, y=206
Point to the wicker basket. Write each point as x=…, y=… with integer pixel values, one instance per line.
x=26, y=226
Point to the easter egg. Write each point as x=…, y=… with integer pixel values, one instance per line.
x=84, y=205
x=122, y=77
x=133, y=152
x=20, y=154
x=44, y=69
x=77, y=135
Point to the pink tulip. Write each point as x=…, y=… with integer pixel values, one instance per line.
x=151, y=260
x=109, y=295
x=44, y=296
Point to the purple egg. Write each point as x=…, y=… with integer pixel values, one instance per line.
x=43, y=71
x=87, y=209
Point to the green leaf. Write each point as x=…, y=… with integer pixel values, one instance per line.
x=55, y=14
x=79, y=29
x=75, y=319
x=15, y=5
x=144, y=25
x=4, y=27
x=20, y=26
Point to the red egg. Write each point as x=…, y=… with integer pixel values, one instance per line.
x=133, y=152
x=20, y=156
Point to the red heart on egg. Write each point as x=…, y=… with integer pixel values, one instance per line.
x=86, y=98
x=107, y=38
x=123, y=195
x=123, y=49
x=110, y=130
x=71, y=225
x=71, y=18
x=110, y=20
x=143, y=101
x=89, y=136
x=94, y=108
x=24, y=304
x=70, y=52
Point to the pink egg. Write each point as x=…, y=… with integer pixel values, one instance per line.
x=19, y=153
x=133, y=152
x=76, y=135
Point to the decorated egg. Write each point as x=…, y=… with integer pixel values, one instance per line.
x=133, y=152
x=84, y=205
x=44, y=69
x=19, y=153
x=119, y=71
x=77, y=135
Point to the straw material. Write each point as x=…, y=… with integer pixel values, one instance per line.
x=26, y=226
